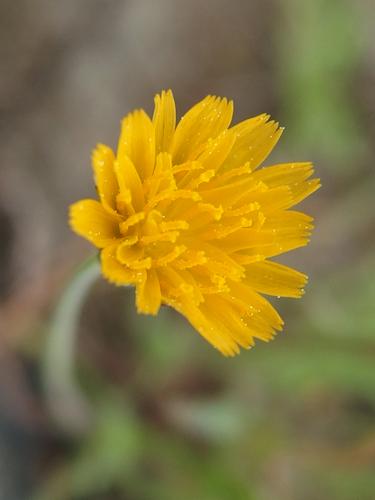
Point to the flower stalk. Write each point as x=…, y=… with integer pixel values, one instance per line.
x=66, y=403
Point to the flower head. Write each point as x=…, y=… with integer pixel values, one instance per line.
x=185, y=217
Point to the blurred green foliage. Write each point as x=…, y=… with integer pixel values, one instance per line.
x=321, y=44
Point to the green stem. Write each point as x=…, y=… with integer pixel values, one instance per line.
x=66, y=402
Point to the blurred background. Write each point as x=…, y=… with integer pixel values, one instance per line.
x=158, y=413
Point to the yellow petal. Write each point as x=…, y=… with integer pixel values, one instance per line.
x=300, y=191
x=222, y=314
x=255, y=139
x=179, y=286
x=137, y=141
x=256, y=312
x=113, y=270
x=295, y=175
x=272, y=278
x=89, y=219
x=246, y=238
x=218, y=261
x=163, y=178
x=227, y=195
x=205, y=324
x=217, y=150
x=129, y=181
x=148, y=295
x=280, y=233
x=105, y=177
x=127, y=253
x=164, y=120
x=205, y=120
x=284, y=173
x=268, y=200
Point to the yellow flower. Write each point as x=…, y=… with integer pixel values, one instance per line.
x=185, y=217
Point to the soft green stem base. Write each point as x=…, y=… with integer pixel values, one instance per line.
x=66, y=403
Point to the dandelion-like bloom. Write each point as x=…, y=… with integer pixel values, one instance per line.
x=185, y=217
